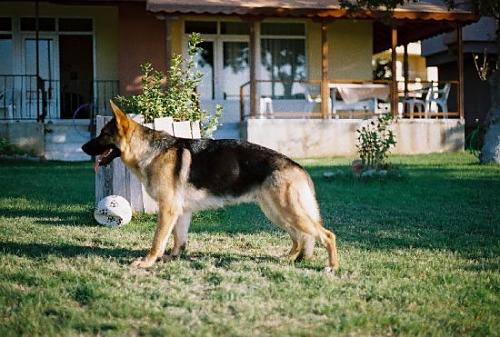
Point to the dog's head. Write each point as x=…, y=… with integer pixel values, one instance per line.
x=109, y=144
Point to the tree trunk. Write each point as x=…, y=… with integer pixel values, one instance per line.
x=490, y=152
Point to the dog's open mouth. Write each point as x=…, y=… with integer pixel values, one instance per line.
x=106, y=157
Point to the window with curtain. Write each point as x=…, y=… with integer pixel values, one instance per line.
x=283, y=59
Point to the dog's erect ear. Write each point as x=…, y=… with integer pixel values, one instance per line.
x=122, y=121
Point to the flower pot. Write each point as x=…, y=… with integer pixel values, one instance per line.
x=117, y=179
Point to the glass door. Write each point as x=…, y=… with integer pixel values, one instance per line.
x=235, y=68
x=48, y=70
x=205, y=63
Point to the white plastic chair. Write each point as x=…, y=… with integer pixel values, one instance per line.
x=316, y=99
x=266, y=107
x=440, y=98
x=432, y=98
x=419, y=103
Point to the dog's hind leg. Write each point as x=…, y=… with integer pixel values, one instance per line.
x=181, y=234
x=307, y=247
x=328, y=240
x=291, y=197
x=268, y=207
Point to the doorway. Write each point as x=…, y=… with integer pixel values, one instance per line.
x=76, y=73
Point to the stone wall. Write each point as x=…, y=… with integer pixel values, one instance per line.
x=301, y=138
x=54, y=140
x=27, y=135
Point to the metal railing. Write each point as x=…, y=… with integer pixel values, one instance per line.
x=22, y=97
x=416, y=99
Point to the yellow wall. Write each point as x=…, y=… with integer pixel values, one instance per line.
x=105, y=29
x=176, y=33
x=350, y=46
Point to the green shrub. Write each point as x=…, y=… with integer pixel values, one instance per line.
x=9, y=149
x=179, y=99
x=375, y=141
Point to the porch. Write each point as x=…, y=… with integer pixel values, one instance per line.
x=294, y=68
x=52, y=119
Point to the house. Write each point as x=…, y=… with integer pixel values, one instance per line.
x=478, y=38
x=295, y=76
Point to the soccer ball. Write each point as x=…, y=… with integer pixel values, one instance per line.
x=113, y=211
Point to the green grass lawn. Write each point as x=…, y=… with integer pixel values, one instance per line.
x=420, y=256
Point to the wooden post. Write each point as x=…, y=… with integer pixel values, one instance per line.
x=394, y=86
x=168, y=43
x=460, y=64
x=325, y=90
x=117, y=179
x=406, y=67
x=254, y=63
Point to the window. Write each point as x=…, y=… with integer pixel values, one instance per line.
x=6, y=52
x=75, y=25
x=223, y=57
x=44, y=24
x=284, y=29
x=283, y=59
x=5, y=24
x=235, y=28
x=202, y=27
x=6, y=46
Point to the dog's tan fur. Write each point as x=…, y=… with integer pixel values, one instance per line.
x=286, y=197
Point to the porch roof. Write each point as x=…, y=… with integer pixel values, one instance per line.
x=421, y=10
x=415, y=20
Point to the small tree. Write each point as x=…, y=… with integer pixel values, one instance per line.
x=179, y=99
x=375, y=141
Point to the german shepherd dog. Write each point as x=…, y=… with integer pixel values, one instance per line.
x=188, y=175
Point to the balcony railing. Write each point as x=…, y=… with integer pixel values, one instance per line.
x=350, y=99
x=22, y=97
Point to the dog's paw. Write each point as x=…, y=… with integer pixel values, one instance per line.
x=329, y=270
x=169, y=258
x=142, y=263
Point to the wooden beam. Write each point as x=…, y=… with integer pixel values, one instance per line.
x=460, y=64
x=168, y=44
x=406, y=67
x=394, y=84
x=254, y=62
x=325, y=91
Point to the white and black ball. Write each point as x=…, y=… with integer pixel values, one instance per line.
x=113, y=211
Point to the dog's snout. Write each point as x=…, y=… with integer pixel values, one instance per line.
x=84, y=148
x=91, y=148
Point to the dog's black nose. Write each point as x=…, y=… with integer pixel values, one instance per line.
x=85, y=148
x=88, y=148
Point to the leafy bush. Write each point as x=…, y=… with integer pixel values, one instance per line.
x=179, y=99
x=9, y=149
x=375, y=141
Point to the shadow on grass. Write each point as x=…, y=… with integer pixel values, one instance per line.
x=125, y=256
x=37, y=250
x=434, y=207
x=52, y=217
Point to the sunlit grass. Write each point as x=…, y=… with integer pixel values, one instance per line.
x=419, y=257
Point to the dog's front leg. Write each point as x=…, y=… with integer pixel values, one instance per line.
x=167, y=218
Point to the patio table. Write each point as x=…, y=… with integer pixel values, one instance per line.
x=352, y=92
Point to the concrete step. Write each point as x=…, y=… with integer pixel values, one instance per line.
x=64, y=139
x=65, y=151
